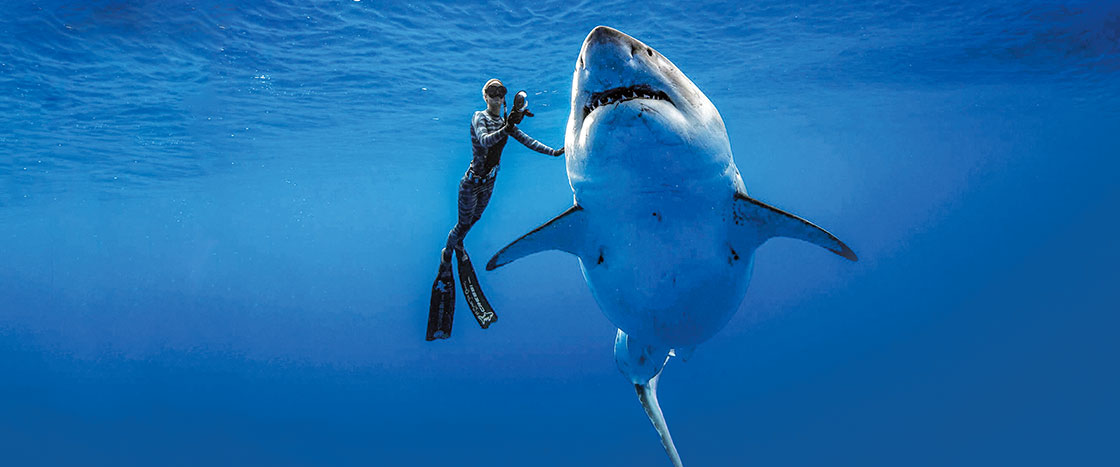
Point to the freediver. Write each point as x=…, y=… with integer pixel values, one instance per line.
x=489, y=134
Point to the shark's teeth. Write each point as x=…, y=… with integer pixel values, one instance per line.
x=622, y=94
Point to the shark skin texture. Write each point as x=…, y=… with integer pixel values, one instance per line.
x=661, y=222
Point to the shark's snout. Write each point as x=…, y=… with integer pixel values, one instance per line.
x=607, y=45
x=606, y=33
x=613, y=68
x=609, y=49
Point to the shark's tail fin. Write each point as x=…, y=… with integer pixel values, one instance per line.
x=642, y=364
x=647, y=393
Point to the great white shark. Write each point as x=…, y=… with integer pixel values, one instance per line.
x=661, y=222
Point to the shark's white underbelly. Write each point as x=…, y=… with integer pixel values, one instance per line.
x=662, y=268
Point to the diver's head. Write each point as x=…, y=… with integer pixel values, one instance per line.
x=494, y=93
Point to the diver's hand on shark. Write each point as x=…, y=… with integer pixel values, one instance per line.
x=559, y=152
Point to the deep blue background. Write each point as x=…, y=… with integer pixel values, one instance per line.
x=219, y=223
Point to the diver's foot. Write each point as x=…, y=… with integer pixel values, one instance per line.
x=446, y=252
x=444, y=261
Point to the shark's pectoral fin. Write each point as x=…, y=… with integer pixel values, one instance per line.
x=769, y=221
x=563, y=232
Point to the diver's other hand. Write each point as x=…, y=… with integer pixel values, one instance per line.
x=509, y=128
x=559, y=152
x=515, y=116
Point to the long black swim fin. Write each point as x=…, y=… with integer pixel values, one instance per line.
x=442, y=310
x=472, y=291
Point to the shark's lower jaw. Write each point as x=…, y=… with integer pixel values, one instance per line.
x=623, y=94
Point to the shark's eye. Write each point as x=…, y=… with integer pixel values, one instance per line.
x=649, y=51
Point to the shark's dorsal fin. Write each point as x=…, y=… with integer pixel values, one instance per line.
x=769, y=221
x=563, y=232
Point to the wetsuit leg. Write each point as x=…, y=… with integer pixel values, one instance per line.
x=468, y=199
x=482, y=194
x=473, y=198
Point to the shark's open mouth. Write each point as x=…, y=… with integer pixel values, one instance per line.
x=615, y=95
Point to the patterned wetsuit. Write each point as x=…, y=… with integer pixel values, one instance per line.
x=487, y=142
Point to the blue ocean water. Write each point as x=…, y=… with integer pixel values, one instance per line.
x=219, y=223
